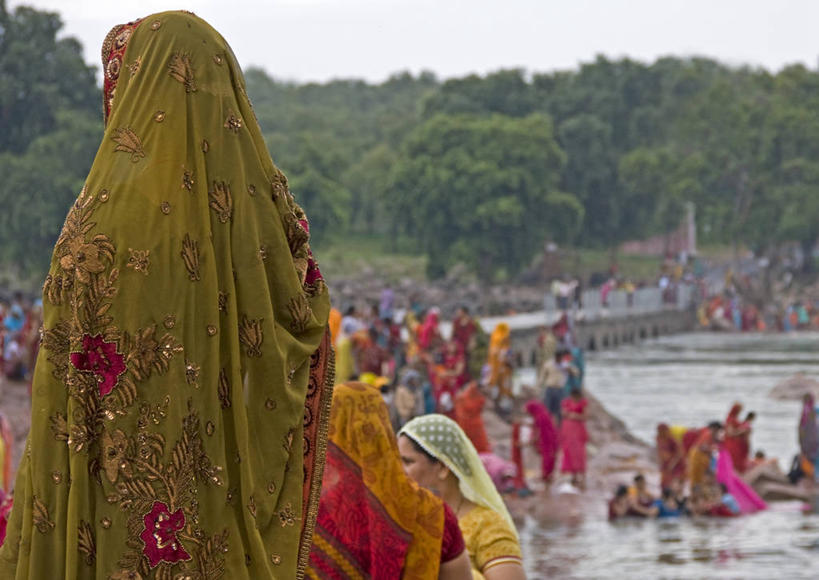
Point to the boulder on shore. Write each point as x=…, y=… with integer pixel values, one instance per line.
x=795, y=387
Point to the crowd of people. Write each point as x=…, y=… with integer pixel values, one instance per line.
x=701, y=472
x=20, y=321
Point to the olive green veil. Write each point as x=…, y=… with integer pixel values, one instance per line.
x=181, y=393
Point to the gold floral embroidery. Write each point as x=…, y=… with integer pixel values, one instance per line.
x=287, y=516
x=190, y=255
x=156, y=24
x=135, y=66
x=187, y=179
x=251, y=189
x=223, y=390
x=154, y=413
x=221, y=200
x=86, y=543
x=211, y=330
x=104, y=195
x=159, y=116
x=270, y=405
x=171, y=487
x=205, y=146
x=170, y=321
x=79, y=258
x=210, y=428
x=217, y=59
x=113, y=454
x=288, y=441
x=105, y=523
x=165, y=207
x=251, y=335
x=275, y=559
x=128, y=142
x=271, y=487
x=181, y=69
x=222, y=301
x=263, y=253
x=251, y=506
x=300, y=313
x=147, y=353
x=57, y=477
x=233, y=122
x=139, y=260
x=278, y=185
x=192, y=373
x=40, y=517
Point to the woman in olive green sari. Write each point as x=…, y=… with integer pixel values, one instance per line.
x=181, y=394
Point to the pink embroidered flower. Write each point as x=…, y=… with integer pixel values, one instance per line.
x=102, y=359
x=313, y=272
x=159, y=535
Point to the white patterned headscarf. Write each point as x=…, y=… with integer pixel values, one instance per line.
x=444, y=440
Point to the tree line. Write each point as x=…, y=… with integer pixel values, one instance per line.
x=481, y=170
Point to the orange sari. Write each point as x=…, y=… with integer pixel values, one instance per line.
x=373, y=521
x=500, y=372
x=468, y=414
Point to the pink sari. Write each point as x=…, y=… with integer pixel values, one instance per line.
x=747, y=498
x=573, y=437
x=547, y=439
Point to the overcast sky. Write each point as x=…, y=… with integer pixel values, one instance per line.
x=316, y=40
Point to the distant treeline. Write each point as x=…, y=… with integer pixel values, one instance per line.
x=479, y=170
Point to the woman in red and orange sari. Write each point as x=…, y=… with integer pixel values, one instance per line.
x=373, y=520
x=670, y=457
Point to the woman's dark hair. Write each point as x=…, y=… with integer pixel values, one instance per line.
x=420, y=449
x=621, y=491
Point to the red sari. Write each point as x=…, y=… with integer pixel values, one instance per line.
x=373, y=521
x=735, y=440
x=573, y=436
x=546, y=436
x=468, y=408
x=670, y=456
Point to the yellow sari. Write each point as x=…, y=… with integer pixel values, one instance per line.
x=500, y=374
x=181, y=394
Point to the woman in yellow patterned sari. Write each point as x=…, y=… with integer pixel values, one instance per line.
x=181, y=394
x=439, y=456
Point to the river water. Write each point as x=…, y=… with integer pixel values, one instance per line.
x=690, y=379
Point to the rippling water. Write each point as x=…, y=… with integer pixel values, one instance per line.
x=690, y=380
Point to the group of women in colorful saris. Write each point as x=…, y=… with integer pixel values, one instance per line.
x=710, y=460
x=419, y=506
x=552, y=438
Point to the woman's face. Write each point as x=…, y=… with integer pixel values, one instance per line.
x=417, y=465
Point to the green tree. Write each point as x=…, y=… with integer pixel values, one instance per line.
x=39, y=75
x=482, y=190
